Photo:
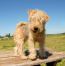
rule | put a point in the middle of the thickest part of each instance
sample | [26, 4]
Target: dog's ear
[46, 17]
[31, 12]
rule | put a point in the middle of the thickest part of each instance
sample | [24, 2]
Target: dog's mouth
[34, 31]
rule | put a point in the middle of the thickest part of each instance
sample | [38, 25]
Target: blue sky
[13, 11]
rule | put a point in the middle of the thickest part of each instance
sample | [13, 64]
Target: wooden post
[52, 63]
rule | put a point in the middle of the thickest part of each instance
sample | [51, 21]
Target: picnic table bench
[7, 58]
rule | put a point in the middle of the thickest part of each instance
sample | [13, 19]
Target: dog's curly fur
[34, 31]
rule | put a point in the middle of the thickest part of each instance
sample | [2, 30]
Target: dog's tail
[21, 24]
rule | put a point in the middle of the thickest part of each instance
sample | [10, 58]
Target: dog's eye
[42, 20]
[32, 19]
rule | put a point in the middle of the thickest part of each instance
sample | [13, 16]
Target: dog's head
[37, 20]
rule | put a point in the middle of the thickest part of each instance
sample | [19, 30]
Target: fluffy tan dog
[34, 31]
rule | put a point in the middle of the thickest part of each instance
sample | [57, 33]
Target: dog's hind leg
[15, 51]
[20, 49]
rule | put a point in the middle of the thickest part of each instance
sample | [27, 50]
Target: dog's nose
[35, 28]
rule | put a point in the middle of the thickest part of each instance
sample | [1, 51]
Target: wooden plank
[11, 60]
[37, 62]
[36, 65]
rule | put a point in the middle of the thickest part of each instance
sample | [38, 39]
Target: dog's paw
[32, 56]
[43, 57]
[23, 57]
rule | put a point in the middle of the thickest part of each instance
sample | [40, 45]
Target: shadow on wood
[37, 53]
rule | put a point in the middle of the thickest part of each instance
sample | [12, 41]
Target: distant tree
[0, 36]
[7, 35]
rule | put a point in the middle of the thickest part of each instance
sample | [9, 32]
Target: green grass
[7, 44]
[56, 42]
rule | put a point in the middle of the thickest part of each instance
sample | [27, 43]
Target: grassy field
[56, 42]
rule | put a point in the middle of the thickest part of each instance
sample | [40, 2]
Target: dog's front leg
[42, 49]
[31, 47]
